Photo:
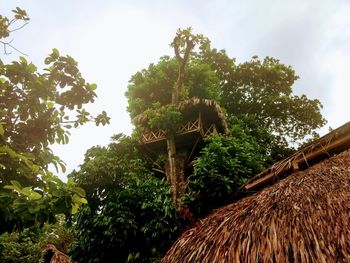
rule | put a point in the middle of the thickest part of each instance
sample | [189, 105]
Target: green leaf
[76, 198]
[26, 191]
[75, 208]
[80, 191]
[31, 67]
[2, 130]
[35, 196]
[92, 86]
[16, 184]
[23, 60]
[55, 53]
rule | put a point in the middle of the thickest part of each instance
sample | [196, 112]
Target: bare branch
[8, 44]
[20, 27]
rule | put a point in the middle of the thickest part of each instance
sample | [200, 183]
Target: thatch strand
[302, 218]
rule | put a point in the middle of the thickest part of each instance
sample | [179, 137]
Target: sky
[112, 40]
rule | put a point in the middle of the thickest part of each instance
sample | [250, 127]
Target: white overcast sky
[112, 40]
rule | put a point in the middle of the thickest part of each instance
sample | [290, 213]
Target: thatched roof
[212, 110]
[53, 255]
[301, 218]
[333, 142]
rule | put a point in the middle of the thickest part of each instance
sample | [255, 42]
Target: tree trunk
[174, 169]
[176, 163]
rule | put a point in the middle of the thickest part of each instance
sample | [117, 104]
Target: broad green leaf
[55, 53]
[16, 184]
[80, 191]
[35, 196]
[75, 208]
[23, 60]
[26, 191]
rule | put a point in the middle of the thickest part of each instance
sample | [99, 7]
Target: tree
[36, 109]
[164, 113]
[263, 89]
[222, 167]
[129, 216]
[256, 95]
[258, 91]
[183, 44]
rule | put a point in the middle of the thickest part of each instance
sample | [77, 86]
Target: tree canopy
[256, 95]
[262, 89]
[37, 109]
[129, 215]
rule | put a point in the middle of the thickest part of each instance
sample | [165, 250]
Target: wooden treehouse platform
[201, 118]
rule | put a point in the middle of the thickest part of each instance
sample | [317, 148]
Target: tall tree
[258, 93]
[163, 111]
[183, 44]
[37, 109]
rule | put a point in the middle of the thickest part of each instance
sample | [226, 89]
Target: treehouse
[201, 117]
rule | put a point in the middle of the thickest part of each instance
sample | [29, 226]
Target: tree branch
[5, 44]
[20, 27]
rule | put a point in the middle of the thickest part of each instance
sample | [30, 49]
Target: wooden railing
[210, 130]
[191, 126]
[153, 136]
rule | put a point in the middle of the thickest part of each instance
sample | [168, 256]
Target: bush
[223, 166]
[27, 246]
[129, 216]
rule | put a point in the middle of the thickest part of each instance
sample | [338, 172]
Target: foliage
[129, 216]
[260, 89]
[27, 246]
[272, 146]
[167, 117]
[222, 167]
[153, 85]
[263, 89]
[27, 206]
[20, 246]
[7, 26]
[261, 108]
[36, 110]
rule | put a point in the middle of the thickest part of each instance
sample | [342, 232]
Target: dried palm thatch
[53, 255]
[217, 111]
[302, 218]
[333, 142]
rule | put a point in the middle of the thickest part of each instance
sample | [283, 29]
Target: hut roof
[333, 142]
[212, 110]
[53, 255]
[301, 218]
